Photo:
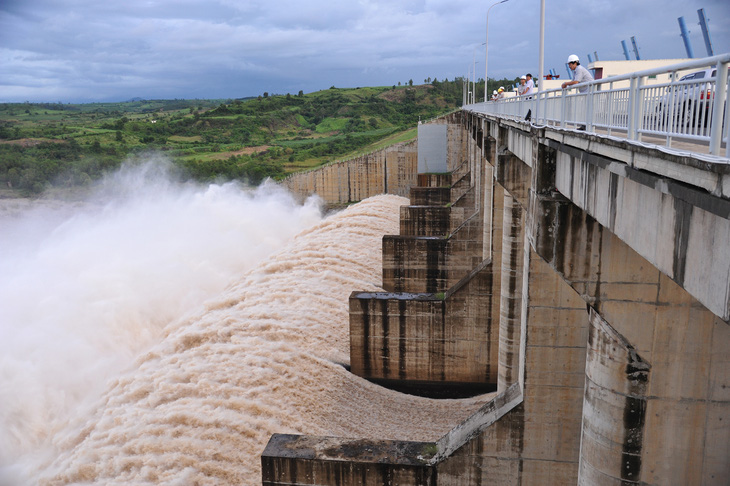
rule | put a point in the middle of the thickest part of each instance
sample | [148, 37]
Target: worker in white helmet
[580, 74]
[522, 88]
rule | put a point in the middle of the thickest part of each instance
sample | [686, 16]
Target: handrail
[637, 104]
[681, 66]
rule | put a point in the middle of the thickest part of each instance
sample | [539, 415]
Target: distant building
[606, 69]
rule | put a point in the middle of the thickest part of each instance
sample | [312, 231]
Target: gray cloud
[83, 50]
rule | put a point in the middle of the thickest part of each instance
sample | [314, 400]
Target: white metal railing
[691, 106]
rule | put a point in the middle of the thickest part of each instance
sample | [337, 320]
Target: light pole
[541, 61]
[474, 76]
[486, 56]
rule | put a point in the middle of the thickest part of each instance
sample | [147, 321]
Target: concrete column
[614, 411]
[487, 208]
[487, 203]
[511, 292]
[537, 442]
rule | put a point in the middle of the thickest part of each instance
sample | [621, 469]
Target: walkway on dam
[683, 106]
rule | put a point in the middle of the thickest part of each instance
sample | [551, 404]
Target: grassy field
[46, 145]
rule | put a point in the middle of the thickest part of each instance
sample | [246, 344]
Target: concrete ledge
[691, 191]
[693, 169]
[308, 460]
[299, 460]
[487, 415]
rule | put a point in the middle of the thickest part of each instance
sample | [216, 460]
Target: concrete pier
[585, 278]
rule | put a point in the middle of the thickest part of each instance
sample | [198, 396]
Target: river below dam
[159, 332]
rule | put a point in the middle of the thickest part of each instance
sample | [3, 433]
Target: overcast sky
[92, 50]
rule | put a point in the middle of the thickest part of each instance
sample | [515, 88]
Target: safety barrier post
[589, 107]
[633, 99]
[718, 108]
[639, 107]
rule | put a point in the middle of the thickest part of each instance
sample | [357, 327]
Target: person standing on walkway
[530, 84]
[522, 88]
[580, 74]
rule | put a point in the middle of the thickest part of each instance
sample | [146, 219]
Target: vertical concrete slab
[707, 267]
[553, 371]
[487, 203]
[615, 407]
[511, 292]
[432, 148]
[679, 228]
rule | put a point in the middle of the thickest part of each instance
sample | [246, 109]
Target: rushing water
[160, 333]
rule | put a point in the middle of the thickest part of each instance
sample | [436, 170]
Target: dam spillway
[604, 265]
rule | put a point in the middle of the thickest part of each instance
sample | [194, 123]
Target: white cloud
[229, 48]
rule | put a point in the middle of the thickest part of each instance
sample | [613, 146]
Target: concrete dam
[581, 279]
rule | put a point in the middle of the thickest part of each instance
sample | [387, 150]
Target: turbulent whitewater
[189, 359]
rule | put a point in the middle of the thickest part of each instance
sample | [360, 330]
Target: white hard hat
[573, 58]
[523, 77]
[494, 92]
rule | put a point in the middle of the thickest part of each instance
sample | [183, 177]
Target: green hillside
[65, 145]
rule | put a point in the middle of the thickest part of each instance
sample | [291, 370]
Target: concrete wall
[600, 293]
[391, 170]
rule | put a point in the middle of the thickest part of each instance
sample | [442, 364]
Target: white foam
[85, 287]
[208, 390]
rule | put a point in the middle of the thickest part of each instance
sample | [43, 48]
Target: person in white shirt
[522, 88]
[530, 84]
[526, 89]
[580, 74]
